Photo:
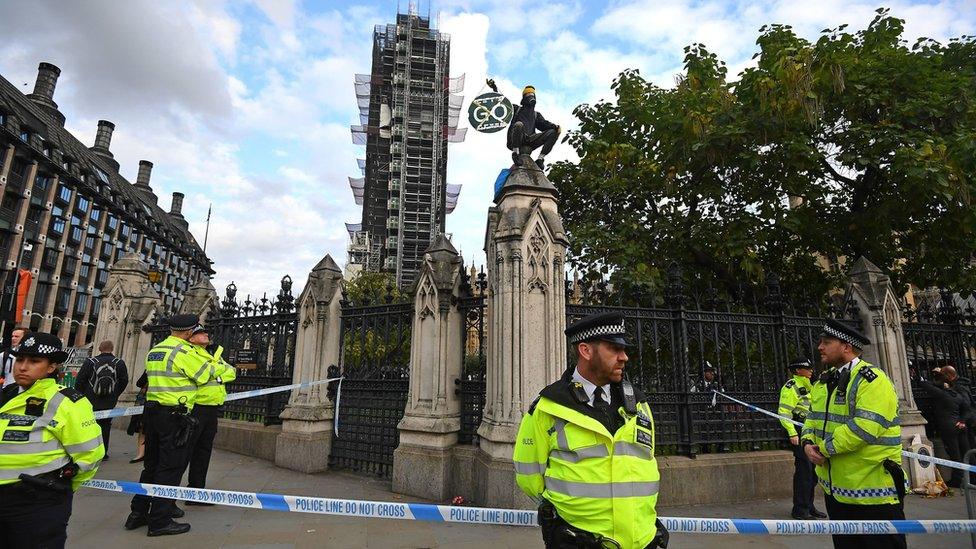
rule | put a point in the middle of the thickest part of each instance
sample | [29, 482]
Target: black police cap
[801, 362]
[602, 326]
[837, 330]
[42, 345]
[180, 323]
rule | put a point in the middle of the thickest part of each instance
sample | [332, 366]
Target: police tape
[906, 453]
[519, 517]
[136, 410]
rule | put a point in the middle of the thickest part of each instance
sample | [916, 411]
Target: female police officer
[50, 445]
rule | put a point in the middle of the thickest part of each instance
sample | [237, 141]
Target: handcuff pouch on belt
[187, 425]
[556, 532]
[55, 481]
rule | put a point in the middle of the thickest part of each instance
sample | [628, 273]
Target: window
[90, 243]
[80, 303]
[41, 184]
[47, 150]
[61, 304]
[66, 164]
[101, 174]
[25, 135]
[83, 272]
[50, 258]
[40, 297]
[76, 234]
[113, 222]
[57, 225]
[82, 205]
[64, 193]
[96, 214]
[125, 231]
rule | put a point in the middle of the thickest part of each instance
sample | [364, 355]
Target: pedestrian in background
[102, 379]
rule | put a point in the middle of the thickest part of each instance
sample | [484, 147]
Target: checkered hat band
[609, 329]
[846, 338]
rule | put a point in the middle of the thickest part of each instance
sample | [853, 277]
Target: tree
[373, 288]
[873, 140]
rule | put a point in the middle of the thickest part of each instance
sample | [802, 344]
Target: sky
[246, 105]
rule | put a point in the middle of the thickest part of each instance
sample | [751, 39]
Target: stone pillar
[880, 313]
[306, 431]
[525, 246]
[432, 419]
[200, 299]
[128, 301]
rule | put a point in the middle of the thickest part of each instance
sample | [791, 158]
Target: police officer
[852, 434]
[207, 408]
[585, 449]
[794, 402]
[50, 445]
[174, 371]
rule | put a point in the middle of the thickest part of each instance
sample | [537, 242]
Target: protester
[948, 416]
[102, 379]
[135, 422]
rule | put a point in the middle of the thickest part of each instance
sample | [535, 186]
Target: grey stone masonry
[880, 313]
[432, 419]
[306, 432]
[526, 246]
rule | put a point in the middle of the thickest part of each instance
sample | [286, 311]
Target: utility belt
[186, 424]
[58, 480]
[559, 534]
[898, 475]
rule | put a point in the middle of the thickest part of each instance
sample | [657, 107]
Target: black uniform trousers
[525, 144]
[804, 482]
[956, 442]
[106, 425]
[202, 444]
[845, 511]
[164, 463]
[32, 517]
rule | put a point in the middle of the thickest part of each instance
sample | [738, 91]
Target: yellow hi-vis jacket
[602, 483]
[214, 392]
[794, 402]
[66, 432]
[856, 427]
[174, 371]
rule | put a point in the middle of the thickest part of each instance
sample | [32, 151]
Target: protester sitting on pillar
[948, 411]
[794, 403]
[102, 379]
[207, 409]
[523, 137]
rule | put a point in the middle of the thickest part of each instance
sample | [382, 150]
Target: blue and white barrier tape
[136, 410]
[906, 453]
[519, 517]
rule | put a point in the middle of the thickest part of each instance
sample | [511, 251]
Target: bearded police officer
[585, 449]
[174, 373]
[794, 402]
[206, 408]
[853, 436]
[51, 444]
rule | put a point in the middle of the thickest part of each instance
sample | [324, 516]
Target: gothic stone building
[67, 215]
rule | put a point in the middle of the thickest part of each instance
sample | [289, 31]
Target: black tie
[598, 401]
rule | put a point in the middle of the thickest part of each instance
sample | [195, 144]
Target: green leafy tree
[372, 288]
[375, 346]
[871, 139]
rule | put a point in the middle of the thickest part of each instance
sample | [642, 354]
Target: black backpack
[105, 378]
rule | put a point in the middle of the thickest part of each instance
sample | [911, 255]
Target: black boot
[177, 512]
[817, 514]
[170, 529]
[136, 520]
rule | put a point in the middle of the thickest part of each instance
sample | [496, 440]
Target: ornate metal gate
[376, 370]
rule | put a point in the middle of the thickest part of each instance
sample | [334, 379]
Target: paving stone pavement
[98, 515]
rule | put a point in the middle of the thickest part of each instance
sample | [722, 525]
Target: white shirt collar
[850, 365]
[590, 387]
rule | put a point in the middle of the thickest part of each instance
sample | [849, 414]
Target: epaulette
[791, 383]
[532, 406]
[72, 394]
[868, 373]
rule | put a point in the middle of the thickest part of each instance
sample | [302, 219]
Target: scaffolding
[409, 109]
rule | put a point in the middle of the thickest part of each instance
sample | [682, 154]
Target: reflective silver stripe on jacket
[166, 374]
[624, 448]
[172, 356]
[561, 441]
[179, 389]
[877, 418]
[529, 468]
[53, 465]
[37, 432]
[575, 456]
[89, 444]
[602, 489]
[20, 448]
